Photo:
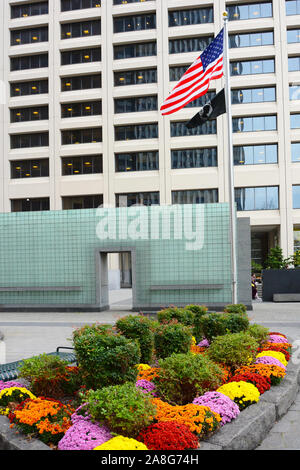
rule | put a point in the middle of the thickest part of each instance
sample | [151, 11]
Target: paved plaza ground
[28, 334]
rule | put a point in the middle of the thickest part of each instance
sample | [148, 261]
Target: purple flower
[204, 343]
[84, 435]
[10, 384]
[219, 403]
[146, 386]
[277, 339]
[269, 360]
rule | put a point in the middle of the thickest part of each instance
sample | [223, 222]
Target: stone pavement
[28, 334]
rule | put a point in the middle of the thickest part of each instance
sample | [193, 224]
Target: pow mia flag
[210, 110]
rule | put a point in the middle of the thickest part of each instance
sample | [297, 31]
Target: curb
[245, 432]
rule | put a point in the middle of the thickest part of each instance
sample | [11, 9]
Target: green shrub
[236, 308]
[258, 332]
[139, 328]
[182, 315]
[182, 377]
[198, 311]
[123, 408]
[216, 324]
[234, 350]
[172, 338]
[106, 357]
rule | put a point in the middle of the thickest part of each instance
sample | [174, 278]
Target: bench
[10, 371]
[286, 297]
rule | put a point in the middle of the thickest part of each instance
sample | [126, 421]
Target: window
[293, 35]
[135, 77]
[179, 129]
[254, 123]
[80, 30]
[292, 7]
[136, 132]
[296, 238]
[28, 36]
[251, 39]
[176, 72]
[124, 2]
[34, 113]
[195, 196]
[295, 121]
[28, 88]
[82, 202]
[250, 11]
[36, 139]
[82, 136]
[131, 199]
[258, 198]
[253, 95]
[295, 151]
[178, 46]
[294, 92]
[137, 161]
[67, 5]
[296, 196]
[194, 158]
[29, 168]
[86, 108]
[84, 165]
[252, 67]
[124, 24]
[294, 64]
[30, 205]
[136, 104]
[193, 16]
[255, 154]
[30, 9]
[81, 56]
[82, 82]
[201, 101]
[127, 51]
[28, 62]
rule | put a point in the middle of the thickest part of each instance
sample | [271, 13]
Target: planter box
[280, 281]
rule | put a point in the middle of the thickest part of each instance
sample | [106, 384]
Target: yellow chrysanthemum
[122, 443]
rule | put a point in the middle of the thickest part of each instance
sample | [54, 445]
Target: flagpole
[233, 237]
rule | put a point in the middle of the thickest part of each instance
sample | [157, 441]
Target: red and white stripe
[193, 83]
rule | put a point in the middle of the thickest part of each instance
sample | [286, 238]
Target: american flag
[195, 81]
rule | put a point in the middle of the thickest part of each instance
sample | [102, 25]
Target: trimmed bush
[198, 311]
[106, 357]
[172, 338]
[182, 315]
[235, 308]
[140, 329]
[234, 350]
[124, 409]
[214, 324]
[258, 332]
[182, 377]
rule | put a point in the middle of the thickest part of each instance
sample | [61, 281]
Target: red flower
[168, 435]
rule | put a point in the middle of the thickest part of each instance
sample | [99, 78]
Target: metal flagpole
[230, 161]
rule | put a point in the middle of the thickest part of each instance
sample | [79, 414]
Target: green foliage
[234, 350]
[123, 408]
[296, 259]
[140, 329]
[216, 324]
[198, 311]
[258, 332]
[172, 338]
[275, 259]
[256, 268]
[182, 315]
[182, 377]
[106, 357]
[235, 308]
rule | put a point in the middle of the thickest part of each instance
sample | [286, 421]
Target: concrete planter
[280, 281]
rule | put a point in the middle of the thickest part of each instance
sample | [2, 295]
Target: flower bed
[142, 413]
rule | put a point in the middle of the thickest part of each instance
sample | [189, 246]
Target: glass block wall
[58, 259]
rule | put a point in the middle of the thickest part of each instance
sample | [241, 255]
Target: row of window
[176, 18]
[247, 199]
[149, 160]
[147, 131]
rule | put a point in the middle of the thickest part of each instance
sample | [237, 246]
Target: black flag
[210, 110]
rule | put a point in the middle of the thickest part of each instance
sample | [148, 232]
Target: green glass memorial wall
[57, 260]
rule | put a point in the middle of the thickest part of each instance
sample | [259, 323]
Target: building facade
[82, 82]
